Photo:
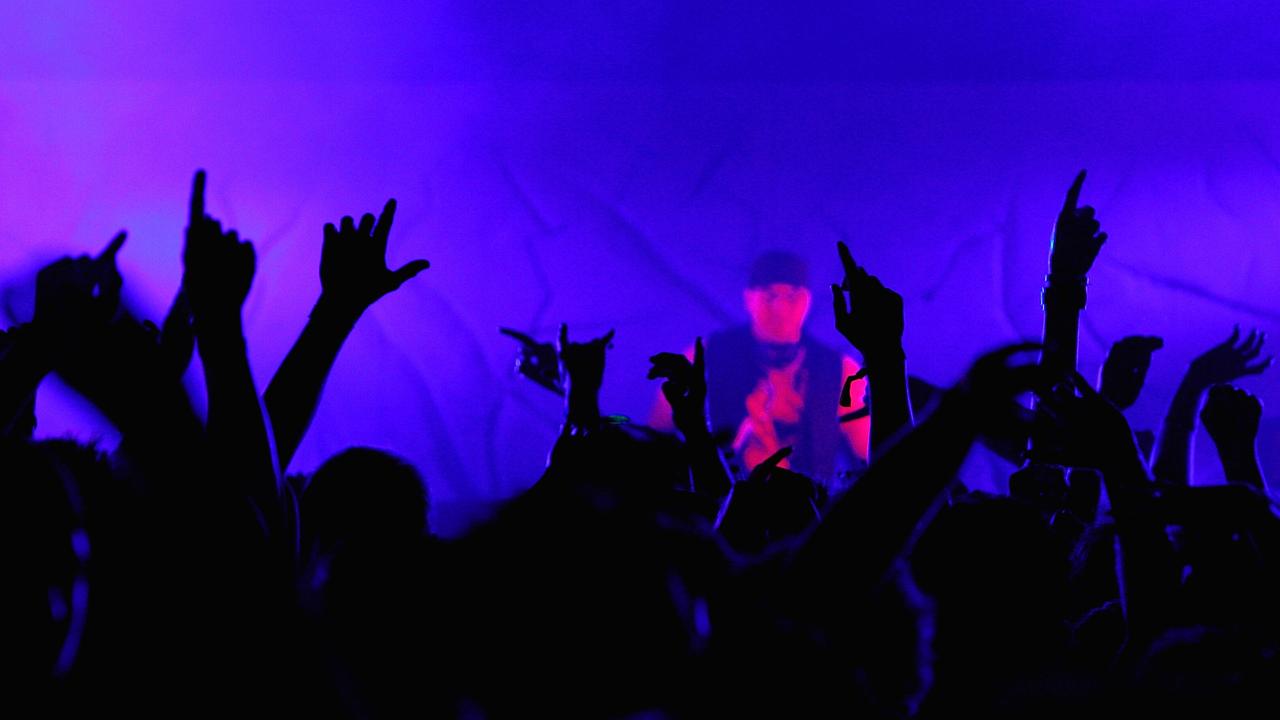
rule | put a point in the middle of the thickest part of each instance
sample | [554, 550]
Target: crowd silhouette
[644, 574]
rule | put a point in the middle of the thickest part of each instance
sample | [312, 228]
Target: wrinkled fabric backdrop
[617, 165]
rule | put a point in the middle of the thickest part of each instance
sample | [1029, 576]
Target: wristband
[1064, 289]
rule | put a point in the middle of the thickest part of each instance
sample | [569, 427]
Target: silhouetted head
[993, 564]
[363, 496]
[999, 580]
[777, 296]
[620, 464]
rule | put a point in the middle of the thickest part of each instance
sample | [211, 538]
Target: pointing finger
[197, 199]
[1073, 193]
[109, 253]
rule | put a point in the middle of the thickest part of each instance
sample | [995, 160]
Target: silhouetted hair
[364, 494]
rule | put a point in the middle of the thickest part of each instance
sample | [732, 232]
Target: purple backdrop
[619, 166]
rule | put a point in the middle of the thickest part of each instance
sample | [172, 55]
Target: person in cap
[771, 385]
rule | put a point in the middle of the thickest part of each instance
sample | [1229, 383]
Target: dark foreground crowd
[643, 575]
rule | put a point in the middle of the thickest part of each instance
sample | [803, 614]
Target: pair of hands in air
[571, 367]
[1228, 411]
[1230, 415]
[353, 267]
[551, 364]
[74, 296]
[869, 315]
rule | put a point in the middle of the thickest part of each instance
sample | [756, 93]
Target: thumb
[846, 393]
[407, 272]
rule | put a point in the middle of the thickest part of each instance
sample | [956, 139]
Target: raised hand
[685, 388]
[218, 266]
[74, 295]
[581, 364]
[353, 275]
[582, 371]
[218, 272]
[353, 261]
[868, 314]
[1229, 360]
[1076, 240]
[1125, 369]
[870, 318]
[537, 361]
[1231, 416]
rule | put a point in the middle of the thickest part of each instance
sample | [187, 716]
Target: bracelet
[897, 355]
[1058, 279]
[1068, 289]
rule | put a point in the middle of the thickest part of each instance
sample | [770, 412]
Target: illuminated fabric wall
[619, 167]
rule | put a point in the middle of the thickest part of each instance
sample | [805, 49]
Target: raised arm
[1073, 249]
[1231, 417]
[869, 316]
[177, 336]
[874, 521]
[219, 270]
[353, 276]
[1230, 360]
[685, 389]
